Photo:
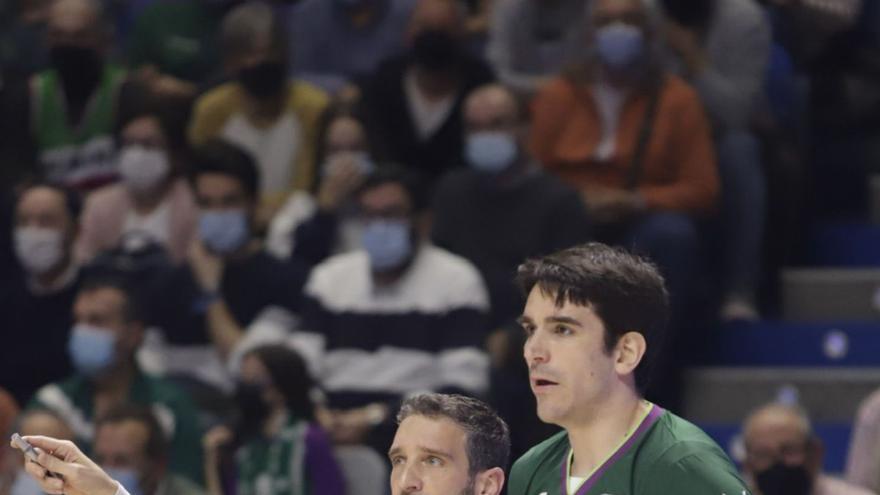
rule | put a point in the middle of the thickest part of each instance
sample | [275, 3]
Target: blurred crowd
[235, 235]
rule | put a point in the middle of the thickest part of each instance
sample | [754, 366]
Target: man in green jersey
[594, 321]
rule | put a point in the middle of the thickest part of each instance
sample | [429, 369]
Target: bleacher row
[821, 352]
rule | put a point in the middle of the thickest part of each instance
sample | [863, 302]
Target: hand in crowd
[344, 176]
[353, 425]
[612, 205]
[165, 85]
[213, 441]
[79, 474]
[207, 268]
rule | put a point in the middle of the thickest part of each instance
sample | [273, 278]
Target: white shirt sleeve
[121, 490]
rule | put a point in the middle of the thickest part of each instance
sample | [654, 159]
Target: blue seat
[844, 244]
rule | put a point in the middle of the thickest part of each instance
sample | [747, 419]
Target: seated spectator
[413, 102]
[36, 422]
[102, 347]
[22, 51]
[176, 58]
[274, 119]
[227, 280]
[396, 317]
[153, 198]
[633, 139]
[131, 447]
[498, 212]
[503, 209]
[316, 225]
[723, 48]
[67, 113]
[277, 442]
[783, 456]
[531, 41]
[863, 461]
[334, 42]
[36, 304]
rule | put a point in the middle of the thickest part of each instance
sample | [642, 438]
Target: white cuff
[121, 490]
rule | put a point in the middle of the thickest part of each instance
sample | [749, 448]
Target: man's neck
[435, 86]
[144, 204]
[595, 437]
[113, 388]
[264, 112]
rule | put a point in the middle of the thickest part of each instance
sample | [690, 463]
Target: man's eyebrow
[394, 451]
[563, 319]
[522, 320]
[439, 453]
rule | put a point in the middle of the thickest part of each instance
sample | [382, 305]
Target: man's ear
[629, 352]
[489, 482]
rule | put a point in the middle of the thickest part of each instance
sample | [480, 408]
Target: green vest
[77, 155]
[664, 455]
[274, 466]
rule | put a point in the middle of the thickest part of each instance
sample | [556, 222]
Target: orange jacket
[678, 172]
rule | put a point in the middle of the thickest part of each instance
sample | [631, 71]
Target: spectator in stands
[131, 447]
[278, 442]
[396, 317]
[496, 213]
[176, 58]
[336, 41]
[102, 347]
[470, 442]
[863, 461]
[23, 23]
[532, 41]
[227, 280]
[153, 199]
[503, 209]
[67, 113]
[36, 422]
[783, 456]
[36, 304]
[413, 102]
[315, 225]
[633, 139]
[722, 47]
[274, 119]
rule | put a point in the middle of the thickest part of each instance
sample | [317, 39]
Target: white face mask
[142, 169]
[39, 249]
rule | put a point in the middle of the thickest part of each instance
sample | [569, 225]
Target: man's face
[45, 208]
[388, 201]
[493, 111]
[104, 308]
[626, 11]
[435, 15]
[570, 371]
[122, 446]
[775, 436]
[345, 134]
[429, 457]
[218, 192]
[74, 23]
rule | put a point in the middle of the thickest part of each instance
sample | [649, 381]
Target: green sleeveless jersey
[665, 455]
[80, 155]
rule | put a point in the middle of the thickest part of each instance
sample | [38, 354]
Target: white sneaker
[738, 309]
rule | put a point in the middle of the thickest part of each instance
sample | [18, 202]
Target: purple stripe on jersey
[647, 423]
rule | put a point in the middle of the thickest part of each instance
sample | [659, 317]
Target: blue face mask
[92, 349]
[387, 242]
[224, 231]
[128, 478]
[619, 44]
[490, 151]
[25, 485]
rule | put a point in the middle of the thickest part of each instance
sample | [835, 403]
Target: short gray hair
[488, 437]
[243, 24]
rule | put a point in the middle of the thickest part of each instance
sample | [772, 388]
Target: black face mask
[436, 50]
[79, 69]
[251, 406]
[264, 80]
[694, 14]
[782, 479]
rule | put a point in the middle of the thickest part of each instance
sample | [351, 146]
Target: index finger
[47, 443]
